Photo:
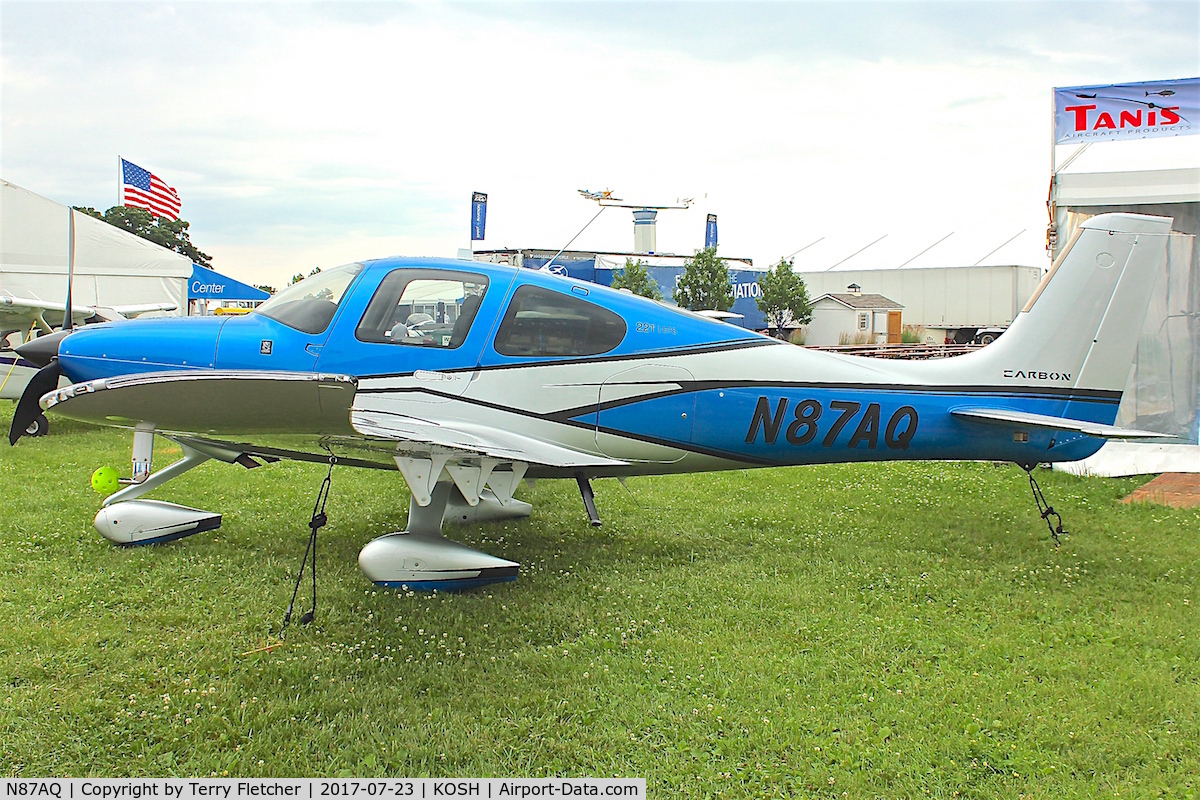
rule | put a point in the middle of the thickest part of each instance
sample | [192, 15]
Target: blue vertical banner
[478, 216]
[710, 232]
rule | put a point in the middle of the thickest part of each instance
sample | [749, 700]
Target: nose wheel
[38, 426]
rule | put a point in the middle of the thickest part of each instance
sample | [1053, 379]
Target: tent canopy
[112, 266]
[1136, 187]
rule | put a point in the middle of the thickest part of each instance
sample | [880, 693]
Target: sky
[308, 135]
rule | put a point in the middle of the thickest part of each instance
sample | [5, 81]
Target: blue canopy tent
[208, 285]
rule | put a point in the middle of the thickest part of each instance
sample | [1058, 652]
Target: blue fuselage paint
[781, 425]
[143, 345]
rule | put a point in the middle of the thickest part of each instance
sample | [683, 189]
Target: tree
[636, 279]
[299, 276]
[705, 283]
[169, 233]
[784, 297]
[265, 288]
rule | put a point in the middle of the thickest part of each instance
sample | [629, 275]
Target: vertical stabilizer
[1080, 328]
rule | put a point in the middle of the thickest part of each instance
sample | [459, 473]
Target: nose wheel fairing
[139, 522]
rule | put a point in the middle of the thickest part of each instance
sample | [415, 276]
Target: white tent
[1135, 187]
[112, 267]
[1163, 393]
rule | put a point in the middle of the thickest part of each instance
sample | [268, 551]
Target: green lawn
[890, 631]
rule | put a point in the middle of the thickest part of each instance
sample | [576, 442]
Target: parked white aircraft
[24, 318]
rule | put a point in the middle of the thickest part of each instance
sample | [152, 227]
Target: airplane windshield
[309, 305]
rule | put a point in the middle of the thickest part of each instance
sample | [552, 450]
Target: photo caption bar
[318, 788]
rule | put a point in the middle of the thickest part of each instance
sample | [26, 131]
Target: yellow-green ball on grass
[104, 481]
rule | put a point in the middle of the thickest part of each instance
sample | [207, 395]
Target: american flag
[140, 189]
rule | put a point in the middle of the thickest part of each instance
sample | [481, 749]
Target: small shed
[853, 317]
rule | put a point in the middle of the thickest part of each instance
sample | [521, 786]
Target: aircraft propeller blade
[28, 409]
[68, 318]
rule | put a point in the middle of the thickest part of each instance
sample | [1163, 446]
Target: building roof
[604, 258]
[862, 301]
[1134, 187]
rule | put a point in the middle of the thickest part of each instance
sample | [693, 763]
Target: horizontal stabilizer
[1004, 416]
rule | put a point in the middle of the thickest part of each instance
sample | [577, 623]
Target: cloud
[340, 132]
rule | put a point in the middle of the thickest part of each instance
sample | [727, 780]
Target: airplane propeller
[42, 351]
[68, 318]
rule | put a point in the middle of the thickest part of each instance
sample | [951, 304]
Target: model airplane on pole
[467, 377]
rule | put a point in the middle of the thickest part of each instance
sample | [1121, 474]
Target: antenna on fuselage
[597, 196]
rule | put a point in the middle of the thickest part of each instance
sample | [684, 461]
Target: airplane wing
[475, 439]
[208, 403]
[1003, 416]
[132, 311]
[26, 311]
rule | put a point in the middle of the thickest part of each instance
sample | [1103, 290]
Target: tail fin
[1080, 328]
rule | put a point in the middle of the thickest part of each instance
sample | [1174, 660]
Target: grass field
[862, 631]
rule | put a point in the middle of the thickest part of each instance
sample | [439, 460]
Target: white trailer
[943, 302]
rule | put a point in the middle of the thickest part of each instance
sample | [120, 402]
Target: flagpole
[120, 183]
[1052, 195]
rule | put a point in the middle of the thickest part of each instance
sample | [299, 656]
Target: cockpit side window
[423, 308]
[310, 304]
[541, 322]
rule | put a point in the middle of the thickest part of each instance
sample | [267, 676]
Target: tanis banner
[1126, 111]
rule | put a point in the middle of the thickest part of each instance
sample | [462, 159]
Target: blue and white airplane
[468, 377]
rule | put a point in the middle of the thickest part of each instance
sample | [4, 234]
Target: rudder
[1080, 328]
